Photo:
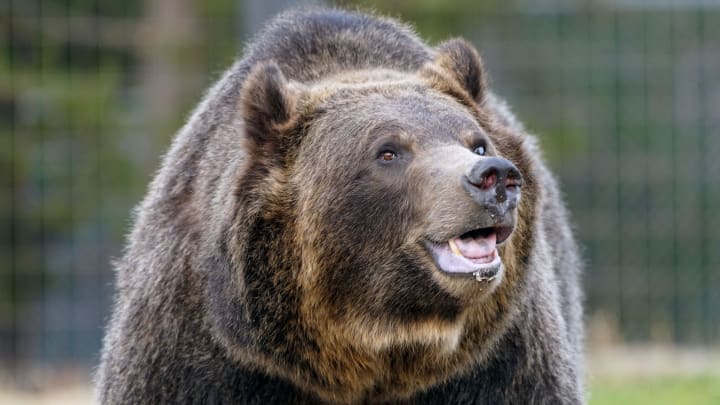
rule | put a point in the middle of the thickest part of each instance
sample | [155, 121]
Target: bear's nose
[492, 181]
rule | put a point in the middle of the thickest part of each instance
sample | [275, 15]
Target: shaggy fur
[277, 258]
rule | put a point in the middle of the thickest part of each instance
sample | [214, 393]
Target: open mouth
[472, 253]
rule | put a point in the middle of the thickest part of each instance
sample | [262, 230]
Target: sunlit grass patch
[670, 390]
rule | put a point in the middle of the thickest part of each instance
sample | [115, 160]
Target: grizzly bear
[350, 216]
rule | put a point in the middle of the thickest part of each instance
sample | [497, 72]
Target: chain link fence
[624, 95]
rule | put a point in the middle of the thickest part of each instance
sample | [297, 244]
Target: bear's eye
[479, 150]
[388, 155]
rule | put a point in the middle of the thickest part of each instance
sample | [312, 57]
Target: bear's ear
[266, 105]
[459, 60]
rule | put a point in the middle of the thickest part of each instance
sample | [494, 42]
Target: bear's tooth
[454, 247]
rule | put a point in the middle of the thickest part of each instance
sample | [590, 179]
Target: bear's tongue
[474, 254]
[474, 248]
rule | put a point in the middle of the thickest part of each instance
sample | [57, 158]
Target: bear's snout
[494, 183]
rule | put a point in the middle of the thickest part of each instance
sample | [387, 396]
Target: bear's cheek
[368, 219]
[368, 254]
[383, 291]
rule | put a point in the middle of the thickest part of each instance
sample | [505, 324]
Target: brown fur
[276, 259]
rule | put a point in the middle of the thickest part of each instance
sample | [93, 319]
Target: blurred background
[624, 95]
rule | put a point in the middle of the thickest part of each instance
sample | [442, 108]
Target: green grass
[670, 390]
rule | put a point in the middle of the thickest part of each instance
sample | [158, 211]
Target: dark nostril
[494, 183]
[488, 179]
[492, 172]
[513, 178]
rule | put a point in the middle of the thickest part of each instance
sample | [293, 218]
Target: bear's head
[375, 217]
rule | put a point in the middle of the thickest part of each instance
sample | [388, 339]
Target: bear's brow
[392, 131]
[388, 128]
[472, 136]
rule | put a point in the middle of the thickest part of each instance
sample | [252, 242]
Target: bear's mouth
[472, 253]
